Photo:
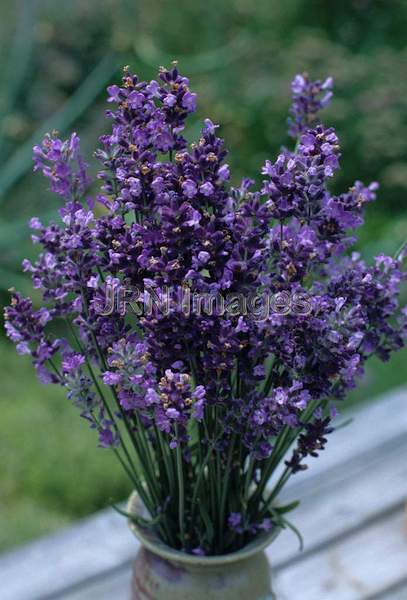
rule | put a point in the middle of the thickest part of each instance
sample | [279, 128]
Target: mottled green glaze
[161, 573]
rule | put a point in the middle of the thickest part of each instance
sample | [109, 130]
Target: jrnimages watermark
[259, 305]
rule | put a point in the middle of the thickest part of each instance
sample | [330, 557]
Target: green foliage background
[56, 59]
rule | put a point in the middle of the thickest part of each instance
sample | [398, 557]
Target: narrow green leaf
[19, 228]
[210, 532]
[210, 60]
[287, 507]
[20, 54]
[343, 424]
[137, 520]
[399, 250]
[296, 531]
[20, 161]
[10, 279]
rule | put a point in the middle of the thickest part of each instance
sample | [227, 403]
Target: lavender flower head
[55, 158]
[309, 97]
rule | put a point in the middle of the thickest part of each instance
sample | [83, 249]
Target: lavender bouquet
[207, 328]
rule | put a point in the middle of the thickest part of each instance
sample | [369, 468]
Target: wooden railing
[352, 517]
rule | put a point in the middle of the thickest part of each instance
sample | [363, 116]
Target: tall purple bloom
[309, 97]
[62, 163]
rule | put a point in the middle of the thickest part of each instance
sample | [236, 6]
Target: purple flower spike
[309, 97]
[62, 163]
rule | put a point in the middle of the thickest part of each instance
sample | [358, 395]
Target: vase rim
[150, 541]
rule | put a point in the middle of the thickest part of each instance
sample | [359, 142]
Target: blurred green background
[56, 59]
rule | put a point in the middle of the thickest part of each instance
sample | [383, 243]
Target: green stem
[276, 490]
[284, 440]
[167, 462]
[248, 479]
[181, 494]
[225, 491]
[269, 380]
[102, 397]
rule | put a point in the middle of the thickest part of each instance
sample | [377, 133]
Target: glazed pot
[161, 573]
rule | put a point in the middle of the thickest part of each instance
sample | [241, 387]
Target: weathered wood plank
[336, 503]
[88, 549]
[337, 507]
[114, 587]
[361, 567]
[374, 424]
[400, 593]
[371, 564]
[360, 460]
